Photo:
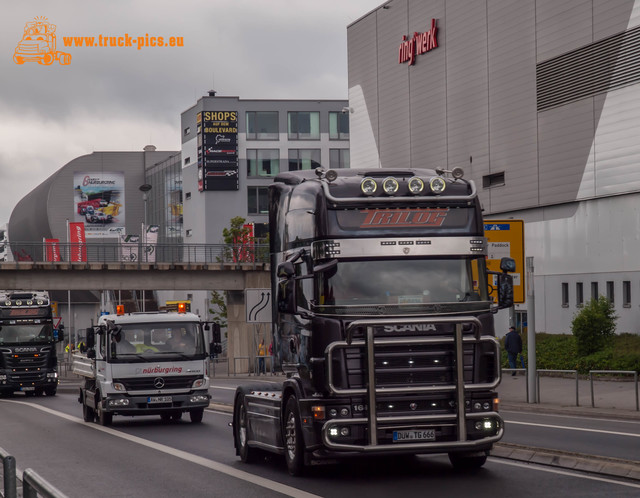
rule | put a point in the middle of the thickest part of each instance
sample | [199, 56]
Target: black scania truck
[383, 321]
[28, 360]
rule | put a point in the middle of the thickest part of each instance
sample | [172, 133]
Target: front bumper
[123, 404]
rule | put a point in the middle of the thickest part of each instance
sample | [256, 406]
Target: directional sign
[258, 305]
[505, 239]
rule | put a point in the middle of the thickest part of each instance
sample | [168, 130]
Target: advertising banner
[150, 243]
[99, 203]
[218, 150]
[78, 250]
[129, 247]
[52, 250]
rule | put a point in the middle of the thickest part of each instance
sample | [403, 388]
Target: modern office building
[539, 102]
[232, 149]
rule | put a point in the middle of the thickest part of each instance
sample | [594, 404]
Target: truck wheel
[64, 59]
[88, 414]
[467, 461]
[48, 59]
[195, 415]
[17, 59]
[104, 418]
[39, 391]
[246, 453]
[294, 443]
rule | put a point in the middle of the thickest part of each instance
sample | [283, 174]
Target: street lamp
[144, 188]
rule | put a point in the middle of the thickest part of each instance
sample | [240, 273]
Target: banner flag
[78, 242]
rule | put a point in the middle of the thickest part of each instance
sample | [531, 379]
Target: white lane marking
[563, 472]
[205, 462]
[221, 387]
[573, 417]
[581, 429]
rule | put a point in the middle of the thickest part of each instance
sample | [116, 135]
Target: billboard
[218, 150]
[505, 239]
[98, 202]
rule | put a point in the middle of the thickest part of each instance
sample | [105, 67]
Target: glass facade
[164, 200]
[303, 125]
[338, 126]
[262, 125]
[263, 162]
[300, 159]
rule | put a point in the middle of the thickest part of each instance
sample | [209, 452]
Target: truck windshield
[18, 334]
[405, 281]
[158, 339]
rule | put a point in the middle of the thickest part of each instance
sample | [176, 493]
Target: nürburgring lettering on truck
[383, 323]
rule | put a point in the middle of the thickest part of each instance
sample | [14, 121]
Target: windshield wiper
[177, 353]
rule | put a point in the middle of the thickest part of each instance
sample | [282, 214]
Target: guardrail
[614, 372]
[113, 252]
[33, 485]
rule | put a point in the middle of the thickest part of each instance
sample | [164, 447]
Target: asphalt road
[145, 457]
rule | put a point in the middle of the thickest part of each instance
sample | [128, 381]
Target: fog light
[199, 398]
[344, 412]
[368, 186]
[119, 402]
[333, 431]
[437, 184]
[486, 405]
[416, 185]
[477, 406]
[478, 425]
[344, 431]
[487, 424]
[390, 185]
[333, 412]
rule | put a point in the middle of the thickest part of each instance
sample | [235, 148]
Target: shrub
[593, 326]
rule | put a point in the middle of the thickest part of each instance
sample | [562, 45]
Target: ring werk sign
[421, 43]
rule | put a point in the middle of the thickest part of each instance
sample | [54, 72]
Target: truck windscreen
[158, 339]
[405, 281]
[21, 333]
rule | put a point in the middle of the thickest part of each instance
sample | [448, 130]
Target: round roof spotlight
[457, 173]
[368, 186]
[416, 185]
[390, 185]
[437, 184]
[331, 175]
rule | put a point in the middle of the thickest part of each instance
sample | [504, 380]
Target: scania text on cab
[383, 321]
[153, 363]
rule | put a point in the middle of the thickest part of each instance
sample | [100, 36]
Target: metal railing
[113, 252]
[33, 485]
[614, 372]
[574, 372]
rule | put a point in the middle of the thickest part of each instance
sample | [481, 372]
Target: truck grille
[26, 367]
[149, 383]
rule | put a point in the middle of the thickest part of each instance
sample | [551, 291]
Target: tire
[464, 461]
[64, 59]
[88, 413]
[18, 60]
[293, 440]
[48, 59]
[241, 432]
[195, 415]
[104, 418]
[39, 391]
[51, 391]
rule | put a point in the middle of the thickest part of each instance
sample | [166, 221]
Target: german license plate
[414, 435]
[159, 399]
[31, 388]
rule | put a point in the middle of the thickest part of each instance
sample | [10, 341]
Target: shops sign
[421, 43]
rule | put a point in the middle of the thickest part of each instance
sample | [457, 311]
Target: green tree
[594, 326]
[218, 309]
[238, 239]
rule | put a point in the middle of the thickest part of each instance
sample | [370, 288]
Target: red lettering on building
[383, 218]
[421, 43]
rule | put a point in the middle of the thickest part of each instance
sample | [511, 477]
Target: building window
[263, 162]
[189, 232]
[300, 159]
[338, 126]
[626, 294]
[304, 125]
[495, 180]
[188, 195]
[610, 295]
[262, 125]
[258, 200]
[565, 295]
[579, 295]
[187, 160]
[339, 158]
[187, 130]
[594, 290]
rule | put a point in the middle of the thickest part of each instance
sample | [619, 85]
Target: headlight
[437, 184]
[199, 398]
[52, 375]
[119, 402]
[416, 185]
[198, 383]
[118, 387]
[368, 186]
[390, 186]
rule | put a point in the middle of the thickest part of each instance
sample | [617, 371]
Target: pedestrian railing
[572, 372]
[33, 485]
[526, 376]
[614, 372]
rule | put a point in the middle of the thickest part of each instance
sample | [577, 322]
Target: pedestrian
[261, 353]
[513, 345]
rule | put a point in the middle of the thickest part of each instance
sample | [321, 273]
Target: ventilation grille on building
[596, 68]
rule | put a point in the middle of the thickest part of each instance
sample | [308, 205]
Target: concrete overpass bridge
[190, 267]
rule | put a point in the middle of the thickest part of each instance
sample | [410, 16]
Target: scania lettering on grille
[25, 350]
[418, 327]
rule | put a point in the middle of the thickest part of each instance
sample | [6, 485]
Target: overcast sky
[123, 98]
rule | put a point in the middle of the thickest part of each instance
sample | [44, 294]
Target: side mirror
[91, 338]
[215, 334]
[287, 296]
[215, 348]
[286, 270]
[505, 290]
